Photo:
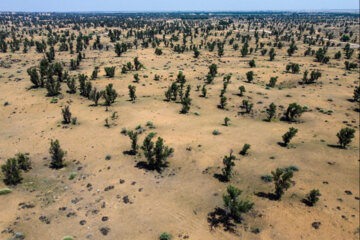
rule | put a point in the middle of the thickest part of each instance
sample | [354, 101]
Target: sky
[174, 5]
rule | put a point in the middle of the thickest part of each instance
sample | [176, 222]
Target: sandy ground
[179, 200]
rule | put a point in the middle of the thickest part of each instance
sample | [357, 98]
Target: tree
[273, 81]
[110, 71]
[34, 76]
[345, 135]
[158, 51]
[94, 74]
[66, 114]
[109, 94]
[289, 135]
[11, 172]
[252, 63]
[248, 106]
[312, 197]
[234, 206]
[293, 111]
[242, 90]
[95, 95]
[272, 54]
[245, 149]
[213, 70]
[228, 161]
[133, 137]
[223, 102]
[137, 64]
[23, 161]
[71, 83]
[165, 236]
[226, 121]
[196, 52]
[132, 95]
[245, 49]
[204, 90]
[53, 86]
[348, 51]
[136, 77]
[118, 49]
[186, 102]
[356, 96]
[271, 111]
[161, 153]
[282, 180]
[57, 155]
[250, 76]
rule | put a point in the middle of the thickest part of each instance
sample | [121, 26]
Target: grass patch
[5, 191]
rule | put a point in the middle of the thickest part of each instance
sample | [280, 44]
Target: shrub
[23, 161]
[248, 106]
[158, 51]
[289, 135]
[4, 191]
[267, 178]
[52, 86]
[72, 176]
[66, 114]
[132, 90]
[234, 205]
[245, 149]
[282, 180]
[293, 111]
[250, 76]
[349, 66]
[272, 54]
[133, 137]
[312, 197]
[271, 111]
[228, 161]
[204, 90]
[11, 172]
[136, 77]
[138, 65]
[110, 71]
[345, 135]
[213, 70]
[165, 236]
[94, 74]
[216, 132]
[109, 94]
[186, 102]
[57, 155]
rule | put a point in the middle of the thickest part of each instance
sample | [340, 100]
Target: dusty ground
[179, 200]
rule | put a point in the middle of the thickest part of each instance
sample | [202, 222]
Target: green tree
[228, 162]
[293, 111]
[250, 76]
[133, 135]
[57, 155]
[132, 92]
[272, 54]
[234, 205]
[110, 71]
[23, 161]
[312, 197]
[271, 111]
[109, 94]
[66, 114]
[282, 179]
[345, 136]
[11, 172]
[289, 135]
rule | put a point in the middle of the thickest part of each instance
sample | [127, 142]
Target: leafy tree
[223, 102]
[213, 70]
[345, 135]
[52, 86]
[23, 161]
[186, 102]
[252, 63]
[110, 71]
[133, 137]
[337, 55]
[132, 90]
[245, 149]
[109, 94]
[66, 114]
[228, 161]
[136, 78]
[94, 74]
[281, 180]
[165, 236]
[289, 135]
[158, 51]
[234, 205]
[272, 54]
[250, 76]
[204, 90]
[242, 90]
[356, 96]
[349, 66]
[294, 67]
[226, 121]
[273, 81]
[293, 111]
[57, 155]
[196, 52]
[71, 83]
[348, 51]
[161, 153]
[313, 196]
[271, 111]
[248, 106]
[138, 65]
[245, 49]
[34, 76]
[11, 172]
[95, 95]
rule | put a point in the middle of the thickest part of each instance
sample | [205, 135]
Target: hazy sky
[174, 5]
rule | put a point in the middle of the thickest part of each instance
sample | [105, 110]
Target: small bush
[266, 178]
[72, 176]
[4, 191]
[216, 132]
[245, 149]
[110, 71]
[165, 236]
[66, 114]
[312, 197]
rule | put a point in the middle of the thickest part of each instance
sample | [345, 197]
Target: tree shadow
[335, 146]
[307, 202]
[218, 218]
[220, 177]
[281, 144]
[269, 196]
[129, 152]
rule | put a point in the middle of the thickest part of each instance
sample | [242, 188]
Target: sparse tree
[132, 93]
[250, 76]
[345, 136]
[282, 179]
[11, 172]
[109, 94]
[234, 206]
[57, 155]
[66, 114]
[271, 111]
[228, 162]
[312, 197]
[289, 135]
[293, 111]
[133, 137]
